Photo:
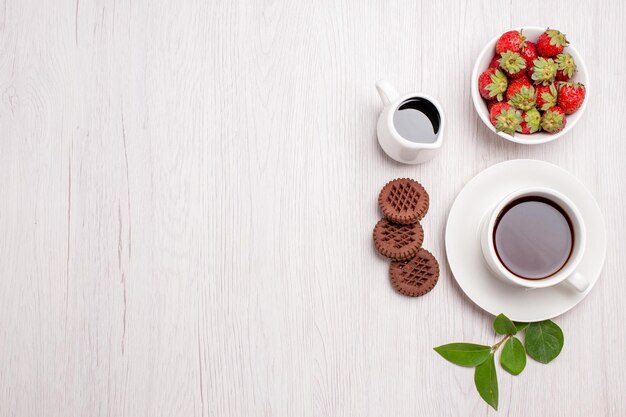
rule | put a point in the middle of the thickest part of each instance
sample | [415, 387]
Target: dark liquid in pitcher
[417, 120]
[533, 237]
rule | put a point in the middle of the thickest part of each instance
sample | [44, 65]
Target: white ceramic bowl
[482, 63]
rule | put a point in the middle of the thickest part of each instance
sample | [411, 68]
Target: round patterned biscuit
[403, 201]
[398, 241]
[416, 276]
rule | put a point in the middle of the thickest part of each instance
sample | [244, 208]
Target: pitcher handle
[386, 91]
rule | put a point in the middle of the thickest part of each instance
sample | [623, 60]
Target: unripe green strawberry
[544, 71]
[506, 118]
[553, 120]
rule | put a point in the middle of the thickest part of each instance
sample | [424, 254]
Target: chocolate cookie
[416, 276]
[398, 241]
[403, 201]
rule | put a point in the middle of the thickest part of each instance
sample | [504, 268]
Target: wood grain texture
[188, 191]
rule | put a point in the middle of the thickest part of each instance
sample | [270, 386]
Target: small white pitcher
[395, 145]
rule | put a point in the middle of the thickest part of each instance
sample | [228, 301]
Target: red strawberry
[494, 61]
[505, 118]
[524, 98]
[546, 96]
[551, 43]
[510, 41]
[543, 71]
[553, 120]
[515, 86]
[529, 53]
[571, 96]
[531, 121]
[512, 64]
[565, 67]
[492, 84]
[496, 108]
[491, 103]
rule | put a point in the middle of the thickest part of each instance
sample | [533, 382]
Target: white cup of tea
[535, 238]
[410, 127]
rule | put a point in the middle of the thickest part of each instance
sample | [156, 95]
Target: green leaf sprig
[543, 341]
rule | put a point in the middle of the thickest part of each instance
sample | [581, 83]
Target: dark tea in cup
[533, 237]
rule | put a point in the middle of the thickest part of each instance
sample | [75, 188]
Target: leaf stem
[497, 345]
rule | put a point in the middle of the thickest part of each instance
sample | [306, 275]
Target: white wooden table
[188, 192]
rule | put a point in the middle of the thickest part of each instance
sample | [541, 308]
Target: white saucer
[463, 245]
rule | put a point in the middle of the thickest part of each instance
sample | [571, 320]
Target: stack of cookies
[398, 236]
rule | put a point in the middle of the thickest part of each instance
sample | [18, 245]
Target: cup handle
[386, 91]
[578, 281]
